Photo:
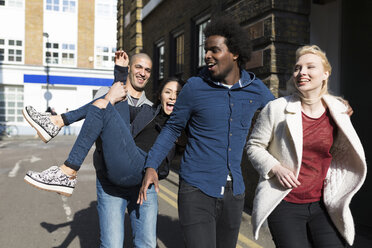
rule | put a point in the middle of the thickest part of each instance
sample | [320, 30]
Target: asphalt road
[33, 218]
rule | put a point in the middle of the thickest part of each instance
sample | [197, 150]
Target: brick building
[53, 53]
[171, 32]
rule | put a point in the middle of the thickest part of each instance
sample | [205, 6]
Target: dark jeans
[124, 160]
[303, 225]
[209, 222]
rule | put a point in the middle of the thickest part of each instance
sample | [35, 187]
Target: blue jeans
[111, 210]
[80, 113]
[124, 160]
[67, 130]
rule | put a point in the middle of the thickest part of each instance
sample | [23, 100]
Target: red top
[316, 158]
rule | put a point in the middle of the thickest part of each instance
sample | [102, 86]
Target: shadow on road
[84, 226]
[169, 232]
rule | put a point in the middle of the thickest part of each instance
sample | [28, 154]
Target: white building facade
[53, 53]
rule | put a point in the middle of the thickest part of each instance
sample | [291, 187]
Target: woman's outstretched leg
[123, 159]
[63, 179]
[48, 126]
[94, 123]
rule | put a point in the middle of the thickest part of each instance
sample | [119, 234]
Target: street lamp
[47, 94]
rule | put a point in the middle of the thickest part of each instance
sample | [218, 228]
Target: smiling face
[169, 95]
[309, 75]
[222, 64]
[139, 72]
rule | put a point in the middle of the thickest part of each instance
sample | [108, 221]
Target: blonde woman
[310, 160]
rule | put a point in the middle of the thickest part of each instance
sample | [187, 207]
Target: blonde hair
[313, 49]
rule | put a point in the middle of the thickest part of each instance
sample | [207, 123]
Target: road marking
[15, 169]
[33, 159]
[167, 199]
[166, 190]
[17, 166]
[66, 207]
[248, 242]
[3, 144]
[241, 237]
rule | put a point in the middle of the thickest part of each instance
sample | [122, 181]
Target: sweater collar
[245, 79]
[142, 100]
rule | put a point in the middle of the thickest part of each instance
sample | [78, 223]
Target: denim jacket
[217, 120]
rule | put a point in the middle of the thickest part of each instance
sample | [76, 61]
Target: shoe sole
[43, 135]
[62, 190]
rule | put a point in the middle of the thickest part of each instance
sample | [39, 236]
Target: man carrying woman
[126, 133]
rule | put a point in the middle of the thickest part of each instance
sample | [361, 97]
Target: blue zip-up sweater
[217, 120]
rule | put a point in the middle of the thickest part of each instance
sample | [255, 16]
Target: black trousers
[303, 225]
[209, 222]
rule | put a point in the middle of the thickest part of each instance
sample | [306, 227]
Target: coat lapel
[343, 122]
[294, 124]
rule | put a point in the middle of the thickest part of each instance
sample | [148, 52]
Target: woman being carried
[310, 160]
[124, 159]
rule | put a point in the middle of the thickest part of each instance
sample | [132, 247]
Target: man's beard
[139, 89]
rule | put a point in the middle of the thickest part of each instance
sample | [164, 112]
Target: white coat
[277, 137]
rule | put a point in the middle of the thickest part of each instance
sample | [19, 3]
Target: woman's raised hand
[121, 58]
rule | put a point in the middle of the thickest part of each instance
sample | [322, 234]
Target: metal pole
[46, 35]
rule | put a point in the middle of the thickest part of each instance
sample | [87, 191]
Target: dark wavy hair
[160, 89]
[236, 38]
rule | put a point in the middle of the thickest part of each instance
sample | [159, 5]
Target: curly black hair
[236, 38]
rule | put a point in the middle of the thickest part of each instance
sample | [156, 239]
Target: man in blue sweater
[216, 109]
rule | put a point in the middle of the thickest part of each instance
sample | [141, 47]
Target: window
[11, 103]
[197, 44]
[106, 8]
[11, 50]
[51, 54]
[60, 53]
[158, 66]
[201, 39]
[2, 50]
[160, 60]
[179, 53]
[12, 3]
[15, 3]
[68, 6]
[68, 54]
[103, 9]
[52, 5]
[105, 56]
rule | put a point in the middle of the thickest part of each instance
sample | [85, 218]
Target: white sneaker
[41, 122]
[52, 179]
